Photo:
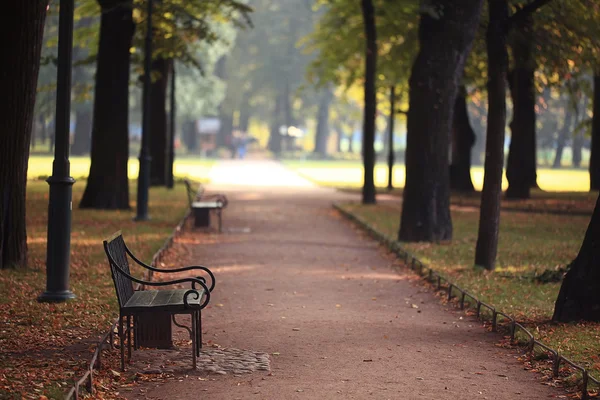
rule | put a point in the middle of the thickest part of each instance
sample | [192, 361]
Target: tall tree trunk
[44, 128]
[83, 131]
[562, 138]
[351, 142]
[337, 127]
[463, 139]
[224, 137]
[274, 136]
[107, 184]
[576, 148]
[188, 130]
[489, 216]
[521, 164]
[21, 50]
[595, 145]
[368, 149]
[445, 40]
[322, 135]
[578, 137]
[245, 112]
[579, 296]
[158, 122]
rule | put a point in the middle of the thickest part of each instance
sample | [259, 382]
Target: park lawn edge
[542, 330]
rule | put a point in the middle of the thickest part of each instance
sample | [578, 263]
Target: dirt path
[322, 300]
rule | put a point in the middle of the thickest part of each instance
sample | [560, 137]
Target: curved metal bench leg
[194, 339]
[199, 342]
[129, 327]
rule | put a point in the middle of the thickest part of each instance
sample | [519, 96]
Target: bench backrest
[116, 253]
[193, 195]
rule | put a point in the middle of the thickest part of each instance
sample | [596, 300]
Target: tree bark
[21, 50]
[224, 137]
[337, 127]
[188, 130]
[489, 217]
[274, 143]
[368, 149]
[107, 186]
[562, 138]
[595, 145]
[322, 135]
[579, 296]
[445, 40]
[463, 139]
[521, 164]
[158, 122]
[576, 148]
[83, 131]
[245, 113]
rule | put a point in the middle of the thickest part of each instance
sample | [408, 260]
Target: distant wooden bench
[135, 304]
[202, 205]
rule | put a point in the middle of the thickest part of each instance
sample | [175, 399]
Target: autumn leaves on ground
[45, 347]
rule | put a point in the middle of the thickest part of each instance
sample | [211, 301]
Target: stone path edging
[432, 276]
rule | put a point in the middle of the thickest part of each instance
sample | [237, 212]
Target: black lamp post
[61, 183]
[145, 158]
[171, 150]
[390, 185]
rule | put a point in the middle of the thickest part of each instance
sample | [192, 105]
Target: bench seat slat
[167, 300]
[207, 204]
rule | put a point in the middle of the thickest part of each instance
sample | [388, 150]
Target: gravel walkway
[297, 282]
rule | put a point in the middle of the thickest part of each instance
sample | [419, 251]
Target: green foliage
[341, 56]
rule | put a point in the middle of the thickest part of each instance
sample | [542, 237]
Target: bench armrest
[218, 197]
[190, 292]
[189, 268]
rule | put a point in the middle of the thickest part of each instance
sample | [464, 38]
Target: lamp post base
[56, 297]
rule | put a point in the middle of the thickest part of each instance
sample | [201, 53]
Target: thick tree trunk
[521, 164]
[368, 149]
[274, 144]
[562, 139]
[18, 87]
[489, 217]
[576, 148]
[322, 135]
[108, 185]
[445, 41]
[579, 296]
[188, 130]
[578, 138]
[245, 113]
[158, 122]
[463, 139]
[224, 138]
[595, 145]
[83, 132]
[337, 127]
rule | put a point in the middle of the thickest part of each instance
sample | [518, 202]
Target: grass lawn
[193, 167]
[349, 174]
[46, 346]
[530, 243]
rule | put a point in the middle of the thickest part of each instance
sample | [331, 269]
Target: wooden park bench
[147, 304]
[202, 205]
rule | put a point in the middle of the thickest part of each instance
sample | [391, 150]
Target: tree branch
[526, 11]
